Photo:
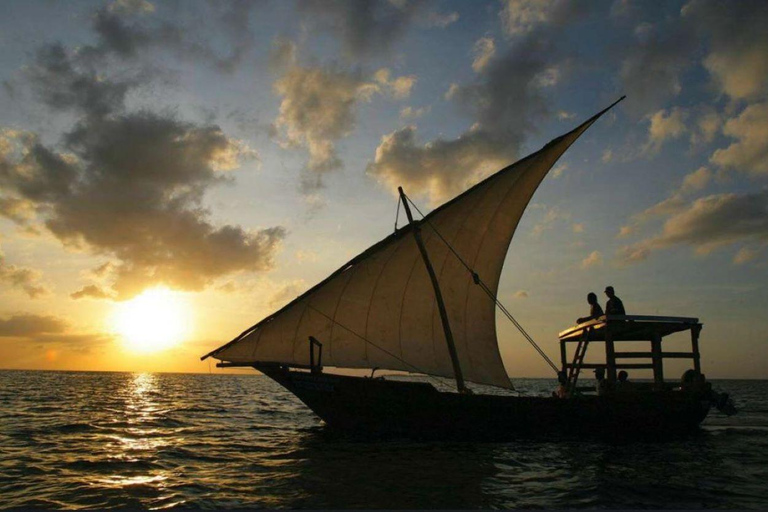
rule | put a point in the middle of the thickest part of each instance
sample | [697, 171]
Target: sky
[223, 157]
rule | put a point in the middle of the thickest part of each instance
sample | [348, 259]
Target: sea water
[125, 440]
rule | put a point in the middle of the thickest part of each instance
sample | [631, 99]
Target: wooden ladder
[578, 359]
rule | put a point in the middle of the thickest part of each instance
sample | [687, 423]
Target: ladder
[578, 359]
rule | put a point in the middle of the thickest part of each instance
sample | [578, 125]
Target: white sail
[379, 310]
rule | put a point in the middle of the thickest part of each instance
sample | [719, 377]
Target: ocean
[126, 440]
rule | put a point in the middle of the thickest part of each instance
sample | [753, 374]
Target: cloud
[708, 124]
[553, 215]
[441, 20]
[674, 204]
[663, 127]
[594, 259]
[66, 81]
[749, 153]
[90, 291]
[408, 113]
[130, 185]
[319, 107]
[366, 29]
[48, 329]
[28, 326]
[697, 180]
[651, 71]
[439, 169]
[745, 255]
[559, 170]
[131, 7]
[484, 50]
[24, 278]
[520, 17]
[129, 40]
[282, 55]
[286, 293]
[399, 88]
[505, 101]
[736, 59]
[709, 223]
[18, 210]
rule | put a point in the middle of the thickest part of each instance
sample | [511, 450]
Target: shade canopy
[379, 309]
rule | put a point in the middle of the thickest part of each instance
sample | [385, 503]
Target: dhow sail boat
[423, 300]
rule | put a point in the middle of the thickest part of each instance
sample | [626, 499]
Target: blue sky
[238, 152]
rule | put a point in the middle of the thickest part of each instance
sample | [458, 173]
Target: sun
[155, 320]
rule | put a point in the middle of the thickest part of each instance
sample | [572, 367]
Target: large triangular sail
[379, 309]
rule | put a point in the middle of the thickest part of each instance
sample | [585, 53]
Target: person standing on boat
[595, 310]
[614, 306]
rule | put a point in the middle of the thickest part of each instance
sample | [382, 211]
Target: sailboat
[423, 300]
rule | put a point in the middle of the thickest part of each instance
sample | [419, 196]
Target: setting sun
[157, 319]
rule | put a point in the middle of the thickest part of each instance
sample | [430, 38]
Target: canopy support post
[438, 295]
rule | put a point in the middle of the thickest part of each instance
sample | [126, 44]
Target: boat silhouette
[423, 300]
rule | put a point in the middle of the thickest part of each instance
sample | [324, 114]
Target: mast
[438, 295]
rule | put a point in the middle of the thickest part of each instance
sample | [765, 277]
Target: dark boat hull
[412, 409]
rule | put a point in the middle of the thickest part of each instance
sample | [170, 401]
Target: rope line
[486, 289]
[418, 370]
[397, 212]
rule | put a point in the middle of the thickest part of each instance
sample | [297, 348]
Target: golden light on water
[155, 320]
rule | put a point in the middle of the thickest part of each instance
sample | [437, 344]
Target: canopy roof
[630, 327]
[379, 309]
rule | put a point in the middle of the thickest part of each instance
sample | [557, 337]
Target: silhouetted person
[622, 382]
[601, 382]
[614, 306]
[562, 389]
[595, 311]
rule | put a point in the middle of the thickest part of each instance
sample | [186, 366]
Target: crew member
[614, 306]
[595, 311]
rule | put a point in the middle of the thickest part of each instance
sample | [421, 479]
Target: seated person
[595, 311]
[601, 384]
[623, 383]
[614, 306]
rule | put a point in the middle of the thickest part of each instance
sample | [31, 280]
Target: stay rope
[486, 289]
[417, 370]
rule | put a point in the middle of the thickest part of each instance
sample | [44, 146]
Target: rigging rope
[491, 295]
[418, 370]
[397, 212]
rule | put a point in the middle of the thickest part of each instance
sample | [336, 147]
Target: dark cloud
[654, 63]
[737, 58]
[132, 188]
[122, 35]
[28, 326]
[65, 81]
[128, 185]
[365, 27]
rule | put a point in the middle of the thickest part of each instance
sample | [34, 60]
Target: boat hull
[380, 407]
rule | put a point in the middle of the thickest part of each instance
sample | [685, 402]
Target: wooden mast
[438, 295]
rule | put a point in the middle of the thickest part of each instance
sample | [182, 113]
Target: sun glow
[155, 320]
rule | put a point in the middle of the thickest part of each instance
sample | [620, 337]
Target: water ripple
[165, 441]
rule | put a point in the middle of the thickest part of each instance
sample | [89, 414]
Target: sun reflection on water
[138, 441]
